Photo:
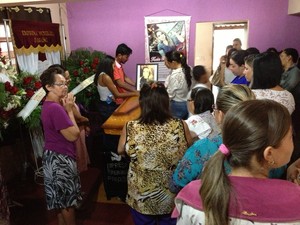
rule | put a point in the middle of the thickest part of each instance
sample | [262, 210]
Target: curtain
[32, 38]
[28, 63]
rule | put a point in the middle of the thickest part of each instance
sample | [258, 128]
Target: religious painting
[145, 73]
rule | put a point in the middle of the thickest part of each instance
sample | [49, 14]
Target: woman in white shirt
[179, 83]
[107, 89]
[267, 72]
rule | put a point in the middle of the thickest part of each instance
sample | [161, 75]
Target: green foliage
[34, 120]
[81, 64]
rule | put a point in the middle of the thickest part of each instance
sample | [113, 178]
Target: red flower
[81, 63]
[14, 90]
[6, 114]
[75, 73]
[29, 93]
[27, 80]
[7, 86]
[86, 70]
[96, 60]
[37, 84]
[94, 65]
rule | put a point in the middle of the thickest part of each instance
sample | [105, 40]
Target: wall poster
[163, 34]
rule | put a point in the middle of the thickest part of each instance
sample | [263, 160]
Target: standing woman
[154, 143]
[62, 183]
[107, 89]
[179, 83]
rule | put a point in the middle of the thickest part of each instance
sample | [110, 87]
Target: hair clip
[224, 150]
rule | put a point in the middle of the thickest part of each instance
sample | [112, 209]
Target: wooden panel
[294, 7]
[204, 45]
[128, 110]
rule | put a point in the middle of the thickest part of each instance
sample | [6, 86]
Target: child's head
[202, 100]
[200, 74]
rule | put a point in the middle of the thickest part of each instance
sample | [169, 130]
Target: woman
[82, 156]
[237, 66]
[248, 71]
[267, 72]
[107, 89]
[252, 145]
[146, 75]
[190, 166]
[179, 83]
[154, 143]
[202, 124]
[62, 183]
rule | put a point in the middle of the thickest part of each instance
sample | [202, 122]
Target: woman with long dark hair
[178, 83]
[154, 143]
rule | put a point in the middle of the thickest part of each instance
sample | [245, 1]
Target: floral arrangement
[82, 64]
[15, 91]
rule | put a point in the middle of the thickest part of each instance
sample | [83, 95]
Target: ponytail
[186, 69]
[179, 57]
[215, 191]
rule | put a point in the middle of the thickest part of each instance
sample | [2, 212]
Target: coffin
[128, 110]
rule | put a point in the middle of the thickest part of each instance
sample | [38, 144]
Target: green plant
[82, 64]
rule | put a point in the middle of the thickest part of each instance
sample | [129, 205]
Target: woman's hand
[293, 172]
[68, 102]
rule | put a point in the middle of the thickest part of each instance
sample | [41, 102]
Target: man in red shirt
[123, 82]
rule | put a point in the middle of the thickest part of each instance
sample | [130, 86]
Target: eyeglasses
[60, 84]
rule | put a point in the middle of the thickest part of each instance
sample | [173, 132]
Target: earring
[271, 163]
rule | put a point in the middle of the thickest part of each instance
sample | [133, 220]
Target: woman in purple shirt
[62, 183]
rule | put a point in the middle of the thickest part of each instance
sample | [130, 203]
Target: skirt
[61, 179]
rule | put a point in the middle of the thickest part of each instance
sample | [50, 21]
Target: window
[7, 48]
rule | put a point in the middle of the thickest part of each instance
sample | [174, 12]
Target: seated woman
[107, 89]
[154, 143]
[202, 123]
[267, 72]
[252, 145]
[190, 166]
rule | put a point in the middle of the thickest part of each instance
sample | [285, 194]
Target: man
[123, 82]
[237, 44]
[291, 75]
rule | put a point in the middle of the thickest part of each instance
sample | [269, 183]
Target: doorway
[210, 47]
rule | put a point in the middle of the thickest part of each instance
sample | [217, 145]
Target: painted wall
[103, 24]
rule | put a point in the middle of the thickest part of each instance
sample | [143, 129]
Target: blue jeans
[179, 109]
[142, 219]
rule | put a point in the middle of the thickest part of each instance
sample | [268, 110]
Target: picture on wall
[145, 73]
[163, 34]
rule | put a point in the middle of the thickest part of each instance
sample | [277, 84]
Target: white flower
[5, 125]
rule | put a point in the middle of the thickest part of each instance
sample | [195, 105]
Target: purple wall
[103, 24]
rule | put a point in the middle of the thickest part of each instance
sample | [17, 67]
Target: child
[202, 123]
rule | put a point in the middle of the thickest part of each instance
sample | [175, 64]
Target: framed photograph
[145, 73]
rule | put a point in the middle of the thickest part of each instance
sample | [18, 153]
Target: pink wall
[103, 24]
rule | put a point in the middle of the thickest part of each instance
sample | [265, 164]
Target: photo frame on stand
[145, 73]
